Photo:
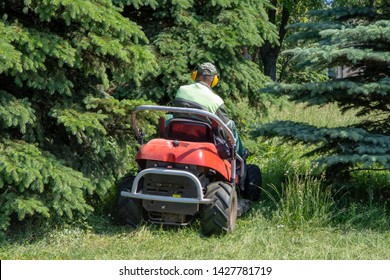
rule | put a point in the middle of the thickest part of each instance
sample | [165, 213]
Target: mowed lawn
[254, 238]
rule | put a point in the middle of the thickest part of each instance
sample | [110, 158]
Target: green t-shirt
[202, 95]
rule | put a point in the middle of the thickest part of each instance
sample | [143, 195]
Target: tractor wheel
[128, 211]
[219, 217]
[253, 183]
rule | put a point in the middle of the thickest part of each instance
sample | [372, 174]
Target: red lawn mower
[190, 171]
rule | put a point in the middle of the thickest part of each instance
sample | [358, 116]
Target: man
[245, 53]
[200, 95]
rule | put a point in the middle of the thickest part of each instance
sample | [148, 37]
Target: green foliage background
[187, 32]
[356, 38]
[63, 141]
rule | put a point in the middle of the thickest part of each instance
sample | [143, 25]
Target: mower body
[184, 174]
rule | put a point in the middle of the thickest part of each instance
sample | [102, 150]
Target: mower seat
[189, 130]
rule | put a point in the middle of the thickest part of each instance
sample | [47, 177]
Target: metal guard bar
[163, 171]
[199, 112]
[184, 110]
[242, 168]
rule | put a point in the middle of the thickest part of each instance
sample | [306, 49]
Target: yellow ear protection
[215, 81]
[194, 76]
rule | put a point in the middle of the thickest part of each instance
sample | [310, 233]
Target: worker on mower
[200, 95]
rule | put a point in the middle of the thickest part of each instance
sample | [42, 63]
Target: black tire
[219, 217]
[253, 183]
[128, 211]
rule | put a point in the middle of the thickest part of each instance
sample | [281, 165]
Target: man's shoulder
[209, 90]
[198, 92]
[214, 97]
[186, 88]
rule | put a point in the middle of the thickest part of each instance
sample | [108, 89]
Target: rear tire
[128, 211]
[253, 183]
[219, 217]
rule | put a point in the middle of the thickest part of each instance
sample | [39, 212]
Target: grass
[256, 237]
[299, 217]
[303, 201]
[322, 116]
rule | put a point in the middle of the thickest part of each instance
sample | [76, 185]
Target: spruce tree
[185, 33]
[357, 38]
[63, 140]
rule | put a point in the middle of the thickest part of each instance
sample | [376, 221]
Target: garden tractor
[192, 170]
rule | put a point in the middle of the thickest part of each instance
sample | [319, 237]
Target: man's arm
[223, 115]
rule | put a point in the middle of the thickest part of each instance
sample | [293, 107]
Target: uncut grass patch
[303, 201]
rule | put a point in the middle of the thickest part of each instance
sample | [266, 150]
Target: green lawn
[255, 238]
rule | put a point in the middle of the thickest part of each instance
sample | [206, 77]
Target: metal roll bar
[198, 112]
[189, 111]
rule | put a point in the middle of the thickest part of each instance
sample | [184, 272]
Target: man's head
[207, 73]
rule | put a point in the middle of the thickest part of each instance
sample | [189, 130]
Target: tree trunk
[269, 56]
[269, 53]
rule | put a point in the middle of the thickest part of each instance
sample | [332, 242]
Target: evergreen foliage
[359, 40]
[63, 141]
[185, 33]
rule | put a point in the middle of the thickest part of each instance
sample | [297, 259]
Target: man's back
[198, 94]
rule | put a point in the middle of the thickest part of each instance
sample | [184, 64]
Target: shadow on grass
[35, 230]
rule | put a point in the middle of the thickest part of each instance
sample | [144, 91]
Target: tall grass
[303, 201]
[299, 197]
[327, 115]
